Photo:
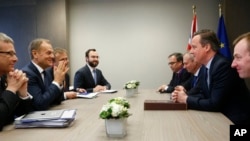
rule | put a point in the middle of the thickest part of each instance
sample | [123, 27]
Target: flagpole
[220, 9]
[194, 8]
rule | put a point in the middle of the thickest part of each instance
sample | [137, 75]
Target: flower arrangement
[116, 108]
[132, 84]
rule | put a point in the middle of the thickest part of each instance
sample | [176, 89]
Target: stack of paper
[50, 118]
[93, 95]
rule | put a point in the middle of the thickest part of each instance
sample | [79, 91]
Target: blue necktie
[195, 78]
[206, 77]
[94, 74]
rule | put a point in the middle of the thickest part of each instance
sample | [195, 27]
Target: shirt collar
[197, 72]
[91, 68]
[209, 63]
[38, 67]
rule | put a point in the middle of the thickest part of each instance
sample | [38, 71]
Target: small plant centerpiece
[131, 87]
[115, 113]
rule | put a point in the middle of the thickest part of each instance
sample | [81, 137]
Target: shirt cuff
[27, 97]
[166, 87]
[65, 96]
[55, 83]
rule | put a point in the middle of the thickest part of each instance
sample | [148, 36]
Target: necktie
[44, 78]
[94, 74]
[43, 75]
[206, 76]
[194, 81]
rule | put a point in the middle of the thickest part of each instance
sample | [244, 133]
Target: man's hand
[161, 88]
[179, 96]
[71, 94]
[81, 90]
[17, 81]
[99, 88]
[60, 71]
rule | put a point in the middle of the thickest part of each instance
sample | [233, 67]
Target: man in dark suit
[222, 89]
[14, 97]
[45, 90]
[61, 54]
[242, 55]
[89, 77]
[195, 68]
[180, 75]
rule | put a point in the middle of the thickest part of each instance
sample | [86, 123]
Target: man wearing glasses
[180, 75]
[14, 98]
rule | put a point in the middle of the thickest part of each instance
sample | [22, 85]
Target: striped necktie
[94, 75]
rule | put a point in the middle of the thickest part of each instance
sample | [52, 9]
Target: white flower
[115, 108]
[132, 84]
[105, 107]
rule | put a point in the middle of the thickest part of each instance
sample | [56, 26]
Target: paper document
[87, 95]
[108, 91]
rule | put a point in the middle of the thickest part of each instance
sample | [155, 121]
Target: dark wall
[25, 20]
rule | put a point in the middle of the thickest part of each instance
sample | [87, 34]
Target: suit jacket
[84, 79]
[226, 93]
[66, 81]
[11, 105]
[189, 85]
[178, 79]
[44, 95]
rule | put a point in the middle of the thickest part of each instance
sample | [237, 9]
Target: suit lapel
[35, 70]
[90, 76]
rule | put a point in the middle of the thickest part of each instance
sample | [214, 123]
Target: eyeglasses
[171, 63]
[10, 53]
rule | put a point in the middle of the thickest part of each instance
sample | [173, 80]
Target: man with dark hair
[180, 75]
[222, 90]
[89, 77]
[14, 97]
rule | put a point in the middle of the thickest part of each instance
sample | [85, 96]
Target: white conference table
[168, 125]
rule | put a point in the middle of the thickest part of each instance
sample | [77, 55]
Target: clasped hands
[17, 83]
[179, 95]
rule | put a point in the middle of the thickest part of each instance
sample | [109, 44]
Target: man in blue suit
[45, 90]
[89, 77]
[191, 86]
[222, 90]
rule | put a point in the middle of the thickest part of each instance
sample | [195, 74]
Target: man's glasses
[10, 53]
[171, 63]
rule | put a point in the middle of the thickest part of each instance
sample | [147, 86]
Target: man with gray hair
[14, 97]
[46, 90]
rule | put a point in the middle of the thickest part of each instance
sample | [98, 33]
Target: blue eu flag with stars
[222, 35]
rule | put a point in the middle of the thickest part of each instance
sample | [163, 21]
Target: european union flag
[222, 35]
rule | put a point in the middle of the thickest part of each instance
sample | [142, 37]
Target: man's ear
[208, 47]
[34, 53]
